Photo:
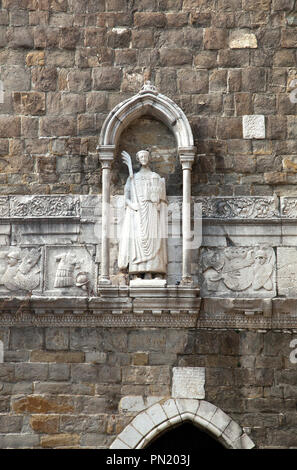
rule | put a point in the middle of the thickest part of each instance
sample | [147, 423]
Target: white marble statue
[143, 242]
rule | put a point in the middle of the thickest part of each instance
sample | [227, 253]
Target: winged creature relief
[238, 269]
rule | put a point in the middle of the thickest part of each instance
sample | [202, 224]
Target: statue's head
[261, 257]
[143, 157]
[13, 257]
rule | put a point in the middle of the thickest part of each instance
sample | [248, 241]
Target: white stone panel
[287, 271]
[253, 126]
[188, 382]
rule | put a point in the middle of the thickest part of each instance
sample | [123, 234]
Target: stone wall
[61, 387]
[77, 371]
[66, 63]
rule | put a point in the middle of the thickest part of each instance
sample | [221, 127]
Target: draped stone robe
[143, 242]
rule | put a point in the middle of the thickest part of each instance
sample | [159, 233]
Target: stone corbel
[187, 157]
[106, 156]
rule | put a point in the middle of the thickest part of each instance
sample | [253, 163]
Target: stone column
[106, 156]
[187, 157]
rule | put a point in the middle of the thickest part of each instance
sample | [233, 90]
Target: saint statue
[143, 243]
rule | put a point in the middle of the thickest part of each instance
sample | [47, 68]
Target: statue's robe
[143, 242]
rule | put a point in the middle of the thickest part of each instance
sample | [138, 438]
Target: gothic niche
[237, 271]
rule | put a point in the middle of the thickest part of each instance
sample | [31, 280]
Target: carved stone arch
[147, 102]
[170, 412]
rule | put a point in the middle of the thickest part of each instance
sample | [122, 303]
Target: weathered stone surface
[188, 382]
[58, 126]
[29, 103]
[44, 78]
[253, 127]
[242, 39]
[56, 357]
[60, 440]
[45, 424]
[106, 78]
[41, 404]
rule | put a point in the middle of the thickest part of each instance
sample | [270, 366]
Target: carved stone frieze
[69, 270]
[20, 269]
[44, 206]
[238, 207]
[289, 207]
[4, 206]
[237, 271]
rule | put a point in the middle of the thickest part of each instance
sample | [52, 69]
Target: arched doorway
[169, 413]
[182, 437]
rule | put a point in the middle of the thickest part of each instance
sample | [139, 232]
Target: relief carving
[239, 208]
[69, 270]
[22, 270]
[239, 271]
[44, 206]
[66, 275]
[289, 207]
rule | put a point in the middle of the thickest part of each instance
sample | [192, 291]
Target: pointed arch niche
[166, 414]
[147, 102]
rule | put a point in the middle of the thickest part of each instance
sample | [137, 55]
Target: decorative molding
[44, 206]
[289, 207]
[239, 207]
[4, 206]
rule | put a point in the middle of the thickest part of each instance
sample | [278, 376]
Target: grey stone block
[31, 371]
[19, 441]
[57, 338]
[26, 338]
[58, 372]
[84, 373]
[10, 424]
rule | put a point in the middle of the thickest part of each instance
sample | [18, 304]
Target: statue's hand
[133, 205]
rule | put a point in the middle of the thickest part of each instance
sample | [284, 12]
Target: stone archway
[170, 412]
[147, 101]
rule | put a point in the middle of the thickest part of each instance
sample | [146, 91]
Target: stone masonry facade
[66, 63]
[61, 387]
[231, 67]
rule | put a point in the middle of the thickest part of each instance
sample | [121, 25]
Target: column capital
[187, 157]
[106, 153]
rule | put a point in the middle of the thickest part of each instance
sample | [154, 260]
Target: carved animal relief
[238, 271]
